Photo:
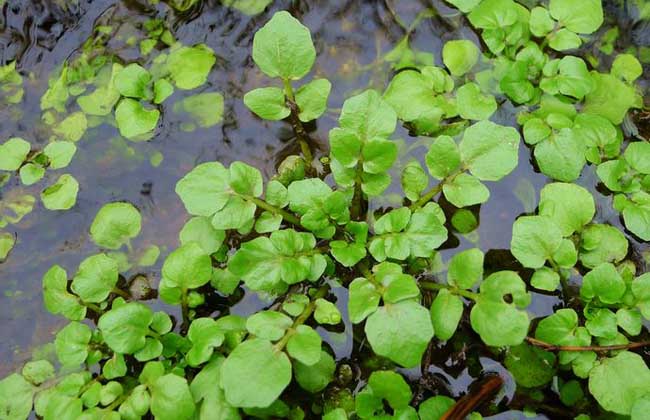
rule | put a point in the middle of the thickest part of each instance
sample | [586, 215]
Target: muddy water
[350, 38]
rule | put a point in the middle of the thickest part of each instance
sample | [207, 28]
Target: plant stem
[296, 124]
[93, 307]
[275, 210]
[429, 285]
[306, 313]
[185, 310]
[552, 347]
[427, 197]
[121, 292]
[355, 211]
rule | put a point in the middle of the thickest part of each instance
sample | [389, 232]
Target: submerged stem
[552, 347]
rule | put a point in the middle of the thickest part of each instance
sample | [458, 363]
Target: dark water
[349, 38]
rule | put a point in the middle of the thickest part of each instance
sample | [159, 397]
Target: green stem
[185, 310]
[427, 197]
[357, 199]
[94, 307]
[306, 313]
[429, 285]
[275, 210]
[298, 128]
[121, 292]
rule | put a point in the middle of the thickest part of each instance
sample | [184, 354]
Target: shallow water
[349, 37]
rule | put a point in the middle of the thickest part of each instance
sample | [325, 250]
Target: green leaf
[311, 99]
[493, 14]
[189, 66]
[267, 103]
[134, 120]
[562, 157]
[531, 367]
[71, 344]
[500, 323]
[368, 115]
[188, 267]
[390, 386]
[569, 205]
[283, 48]
[629, 320]
[618, 382]
[601, 323]
[460, 56]
[414, 180]
[305, 345]
[489, 151]
[435, 407]
[162, 89]
[204, 109]
[7, 242]
[314, 378]
[115, 225]
[16, 396]
[38, 371]
[580, 16]
[202, 190]
[95, 279]
[171, 398]
[398, 237]
[558, 328]
[637, 215]
[411, 95]
[446, 311]
[545, 278]
[286, 257]
[465, 190]
[378, 156]
[626, 67]
[56, 297]
[573, 78]
[270, 325]
[60, 153]
[133, 81]
[464, 221]
[248, 7]
[201, 231]
[255, 358]
[540, 22]
[600, 244]
[326, 312]
[534, 240]
[601, 102]
[205, 335]
[400, 332]
[363, 299]
[443, 157]
[61, 195]
[125, 327]
[603, 282]
[31, 173]
[101, 101]
[474, 105]
[564, 40]
[636, 155]
[465, 268]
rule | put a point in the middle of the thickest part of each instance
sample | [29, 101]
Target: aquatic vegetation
[312, 241]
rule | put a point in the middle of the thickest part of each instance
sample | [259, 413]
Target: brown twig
[468, 403]
[552, 347]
